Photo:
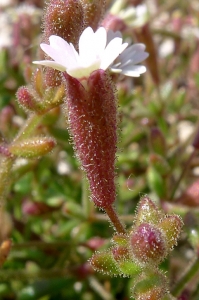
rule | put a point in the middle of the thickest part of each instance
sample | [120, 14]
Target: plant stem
[6, 165]
[28, 127]
[115, 220]
[184, 280]
[184, 170]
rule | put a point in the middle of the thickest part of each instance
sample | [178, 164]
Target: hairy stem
[115, 220]
[28, 127]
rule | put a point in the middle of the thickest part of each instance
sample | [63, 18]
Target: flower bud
[92, 115]
[113, 22]
[152, 285]
[33, 147]
[93, 12]
[171, 226]
[104, 263]
[38, 82]
[126, 265]
[147, 212]
[121, 253]
[120, 240]
[26, 99]
[53, 77]
[147, 244]
[64, 18]
[35, 208]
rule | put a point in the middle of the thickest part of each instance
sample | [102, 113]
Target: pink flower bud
[92, 114]
[64, 18]
[35, 208]
[113, 22]
[25, 98]
[93, 12]
[147, 244]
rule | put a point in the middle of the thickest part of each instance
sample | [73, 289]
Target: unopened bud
[26, 99]
[53, 78]
[152, 285]
[33, 147]
[113, 22]
[147, 244]
[121, 253]
[64, 18]
[38, 82]
[120, 239]
[104, 263]
[171, 226]
[93, 12]
[124, 260]
[147, 212]
[35, 208]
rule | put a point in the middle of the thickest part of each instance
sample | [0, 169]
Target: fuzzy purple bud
[64, 18]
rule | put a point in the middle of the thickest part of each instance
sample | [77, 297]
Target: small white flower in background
[97, 50]
[135, 16]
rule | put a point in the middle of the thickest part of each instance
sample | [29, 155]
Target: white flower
[97, 50]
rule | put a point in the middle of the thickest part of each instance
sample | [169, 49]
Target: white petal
[58, 43]
[111, 35]
[100, 39]
[131, 51]
[50, 63]
[113, 49]
[86, 46]
[133, 71]
[55, 54]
